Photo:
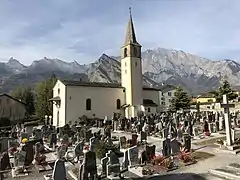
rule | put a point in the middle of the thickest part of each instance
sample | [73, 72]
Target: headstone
[187, 142]
[4, 161]
[133, 156]
[53, 139]
[79, 149]
[88, 167]
[143, 136]
[175, 146]
[166, 147]
[123, 142]
[113, 166]
[59, 171]
[227, 120]
[3, 144]
[134, 139]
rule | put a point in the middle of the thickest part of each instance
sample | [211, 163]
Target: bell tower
[131, 71]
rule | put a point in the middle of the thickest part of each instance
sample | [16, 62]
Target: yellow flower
[25, 140]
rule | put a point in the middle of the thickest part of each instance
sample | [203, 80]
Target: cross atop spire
[130, 35]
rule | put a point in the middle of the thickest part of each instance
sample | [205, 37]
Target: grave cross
[226, 106]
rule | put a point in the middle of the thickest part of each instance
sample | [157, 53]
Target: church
[73, 99]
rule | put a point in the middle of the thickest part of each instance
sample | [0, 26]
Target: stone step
[226, 172]
[212, 177]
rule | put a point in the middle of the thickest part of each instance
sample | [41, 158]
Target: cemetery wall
[103, 101]
[59, 113]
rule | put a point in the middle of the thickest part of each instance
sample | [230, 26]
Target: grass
[200, 155]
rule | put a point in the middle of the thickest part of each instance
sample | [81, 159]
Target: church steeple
[130, 34]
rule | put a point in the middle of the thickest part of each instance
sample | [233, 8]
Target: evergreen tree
[180, 100]
[225, 88]
[44, 92]
[25, 95]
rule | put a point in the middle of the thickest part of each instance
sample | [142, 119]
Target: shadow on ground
[177, 176]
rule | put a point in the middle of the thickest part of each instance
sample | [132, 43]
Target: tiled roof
[15, 99]
[100, 84]
[149, 102]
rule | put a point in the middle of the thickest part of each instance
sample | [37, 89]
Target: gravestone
[79, 149]
[134, 139]
[53, 139]
[88, 135]
[150, 151]
[123, 142]
[166, 147]
[113, 165]
[175, 146]
[59, 171]
[88, 166]
[4, 161]
[225, 105]
[133, 156]
[187, 142]
[3, 144]
[143, 136]
[19, 158]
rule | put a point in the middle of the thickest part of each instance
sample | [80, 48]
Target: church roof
[130, 34]
[101, 84]
[91, 84]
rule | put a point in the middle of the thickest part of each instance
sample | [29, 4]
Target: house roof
[100, 84]
[149, 102]
[15, 99]
[167, 87]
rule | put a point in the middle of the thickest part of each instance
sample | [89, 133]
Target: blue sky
[84, 29]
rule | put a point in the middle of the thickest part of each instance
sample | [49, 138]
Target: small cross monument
[226, 106]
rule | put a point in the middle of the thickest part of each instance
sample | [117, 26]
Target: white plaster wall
[103, 101]
[62, 109]
[131, 75]
[152, 110]
[165, 102]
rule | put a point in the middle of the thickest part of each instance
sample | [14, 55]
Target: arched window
[118, 103]
[88, 104]
[125, 52]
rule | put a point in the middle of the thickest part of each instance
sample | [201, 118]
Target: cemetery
[121, 148]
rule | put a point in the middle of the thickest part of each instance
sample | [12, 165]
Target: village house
[11, 108]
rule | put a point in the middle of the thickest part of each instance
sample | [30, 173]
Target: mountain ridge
[196, 74]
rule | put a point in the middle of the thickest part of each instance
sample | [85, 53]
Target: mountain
[193, 73]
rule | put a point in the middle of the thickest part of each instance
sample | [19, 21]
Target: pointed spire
[130, 35]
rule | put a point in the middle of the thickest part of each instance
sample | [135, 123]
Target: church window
[125, 64]
[118, 103]
[136, 63]
[125, 52]
[88, 104]
[125, 71]
[58, 91]
[149, 110]
[169, 93]
[135, 51]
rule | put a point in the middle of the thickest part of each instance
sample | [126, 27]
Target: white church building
[73, 99]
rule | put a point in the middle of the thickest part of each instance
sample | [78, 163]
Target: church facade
[73, 99]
